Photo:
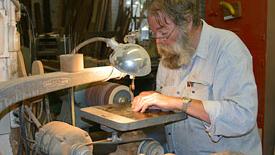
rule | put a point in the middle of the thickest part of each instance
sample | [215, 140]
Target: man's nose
[163, 42]
[159, 41]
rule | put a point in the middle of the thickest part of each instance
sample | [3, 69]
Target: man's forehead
[160, 18]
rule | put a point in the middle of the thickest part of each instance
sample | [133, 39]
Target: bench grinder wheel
[150, 147]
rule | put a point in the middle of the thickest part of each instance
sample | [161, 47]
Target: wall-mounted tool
[231, 10]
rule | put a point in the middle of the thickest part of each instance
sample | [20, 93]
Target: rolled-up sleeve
[233, 108]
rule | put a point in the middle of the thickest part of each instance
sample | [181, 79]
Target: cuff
[213, 110]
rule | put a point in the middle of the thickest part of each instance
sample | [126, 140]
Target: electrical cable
[31, 30]
[23, 130]
[30, 22]
[120, 142]
[27, 130]
[40, 111]
[33, 118]
[20, 148]
[47, 107]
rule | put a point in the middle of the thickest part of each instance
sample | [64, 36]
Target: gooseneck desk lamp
[129, 58]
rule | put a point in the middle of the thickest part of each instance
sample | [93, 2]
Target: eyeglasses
[161, 35]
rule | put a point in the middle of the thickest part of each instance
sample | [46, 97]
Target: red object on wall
[251, 27]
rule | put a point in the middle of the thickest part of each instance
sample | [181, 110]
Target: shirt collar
[202, 49]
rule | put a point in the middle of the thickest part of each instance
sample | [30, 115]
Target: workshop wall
[251, 28]
[250, 23]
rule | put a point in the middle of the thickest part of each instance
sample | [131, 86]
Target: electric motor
[59, 138]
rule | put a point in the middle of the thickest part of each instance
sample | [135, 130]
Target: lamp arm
[110, 43]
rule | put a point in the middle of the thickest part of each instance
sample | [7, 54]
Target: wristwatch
[185, 103]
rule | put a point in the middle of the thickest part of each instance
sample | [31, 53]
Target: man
[207, 73]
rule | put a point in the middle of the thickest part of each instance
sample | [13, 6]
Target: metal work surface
[121, 117]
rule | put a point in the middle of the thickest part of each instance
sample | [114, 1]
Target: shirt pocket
[200, 89]
[169, 90]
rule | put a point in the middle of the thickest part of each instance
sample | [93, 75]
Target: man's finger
[134, 102]
[144, 107]
[138, 104]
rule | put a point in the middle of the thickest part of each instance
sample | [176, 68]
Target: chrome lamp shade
[131, 59]
[128, 58]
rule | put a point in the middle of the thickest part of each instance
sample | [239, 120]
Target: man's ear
[189, 21]
[188, 18]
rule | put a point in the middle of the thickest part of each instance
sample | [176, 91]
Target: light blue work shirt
[221, 76]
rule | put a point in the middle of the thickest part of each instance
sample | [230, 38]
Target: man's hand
[152, 99]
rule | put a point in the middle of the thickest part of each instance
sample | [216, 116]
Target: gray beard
[176, 55]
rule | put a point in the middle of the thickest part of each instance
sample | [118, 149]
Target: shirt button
[178, 92]
[193, 92]
[169, 133]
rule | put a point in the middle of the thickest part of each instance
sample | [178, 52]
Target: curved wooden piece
[17, 90]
